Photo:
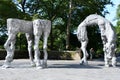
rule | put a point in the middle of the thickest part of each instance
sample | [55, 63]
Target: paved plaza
[60, 70]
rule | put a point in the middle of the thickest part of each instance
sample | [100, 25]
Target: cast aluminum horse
[108, 37]
[15, 26]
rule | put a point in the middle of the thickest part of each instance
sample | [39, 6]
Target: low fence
[58, 55]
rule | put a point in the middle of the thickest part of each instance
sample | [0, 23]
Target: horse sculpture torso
[17, 25]
[108, 37]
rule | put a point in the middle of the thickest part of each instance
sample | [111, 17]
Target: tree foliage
[118, 15]
[59, 13]
[118, 27]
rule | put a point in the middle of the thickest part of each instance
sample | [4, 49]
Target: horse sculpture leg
[112, 50]
[10, 48]
[46, 34]
[114, 61]
[37, 52]
[110, 54]
[106, 51]
[37, 34]
[104, 40]
[29, 41]
[85, 54]
[106, 60]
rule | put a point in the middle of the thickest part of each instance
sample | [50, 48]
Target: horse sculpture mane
[108, 37]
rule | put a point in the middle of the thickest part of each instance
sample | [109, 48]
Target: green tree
[7, 10]
[118, 27]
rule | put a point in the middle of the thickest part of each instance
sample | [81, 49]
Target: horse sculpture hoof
[5, 66]
[107, 65]
[114, 66]
[39, 67]
[45, 66]
[85, 63]
[81, 62]
[32, 64]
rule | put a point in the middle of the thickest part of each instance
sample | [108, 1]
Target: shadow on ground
[75, 66]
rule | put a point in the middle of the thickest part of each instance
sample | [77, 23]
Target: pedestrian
[92, 52]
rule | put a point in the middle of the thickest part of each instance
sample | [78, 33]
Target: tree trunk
[68, 25]
[51, 38]
[23, 9]
[23, 5]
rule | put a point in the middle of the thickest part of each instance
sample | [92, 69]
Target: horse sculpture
[108, 37]
[15, 26]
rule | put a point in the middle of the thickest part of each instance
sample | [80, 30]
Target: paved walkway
[60, 70]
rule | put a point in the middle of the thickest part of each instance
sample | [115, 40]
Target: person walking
[92, 52]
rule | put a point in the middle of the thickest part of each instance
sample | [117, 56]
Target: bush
[99, 53]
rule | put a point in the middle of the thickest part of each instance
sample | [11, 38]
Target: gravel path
[60, 70]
